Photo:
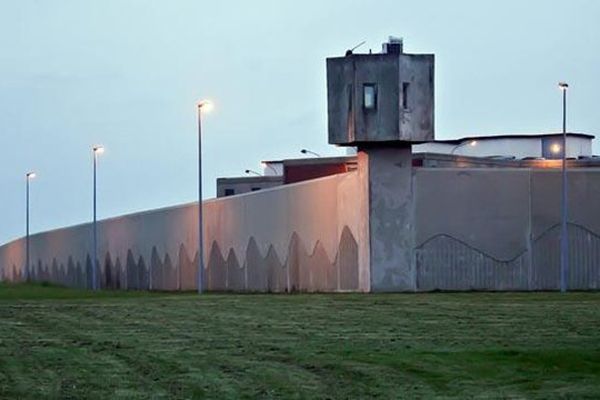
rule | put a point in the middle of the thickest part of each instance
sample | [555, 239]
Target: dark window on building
[370, 96]
[405, 86]
[254, 189]
[229, 192]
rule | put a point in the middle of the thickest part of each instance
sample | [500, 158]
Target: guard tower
[385, 97]
[381, 104]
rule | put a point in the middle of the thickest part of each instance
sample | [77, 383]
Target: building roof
[439, 160]
[511, 136]
[309, 160]
[327, 160]
[250, 179]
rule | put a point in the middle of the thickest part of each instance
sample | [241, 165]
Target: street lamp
[249, 171]
[471, 143]
[306, 151]
[564, 239]
[556, 148]
[203, 106]
[28, 177]
[96, 150]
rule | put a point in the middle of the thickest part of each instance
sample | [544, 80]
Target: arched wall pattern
[300, 237]
[482, 229]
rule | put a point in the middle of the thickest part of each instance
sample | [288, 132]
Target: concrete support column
[363, 236]
[391, 216]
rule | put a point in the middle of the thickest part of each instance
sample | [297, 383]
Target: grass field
[59, 343]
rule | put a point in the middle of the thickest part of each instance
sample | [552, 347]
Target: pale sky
[127, 74]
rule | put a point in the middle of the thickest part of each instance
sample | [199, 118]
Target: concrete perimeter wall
[483, 229]
[310, 236]
[408, 230]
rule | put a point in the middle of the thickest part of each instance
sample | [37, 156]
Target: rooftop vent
[393, 46]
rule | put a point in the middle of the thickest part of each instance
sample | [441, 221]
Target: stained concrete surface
[391, 218]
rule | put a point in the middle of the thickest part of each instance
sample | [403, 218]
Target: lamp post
[28, 177]
[471, 143]
[205, 106]
[96, 150]
[564, 239]
[306, 151]
[252, 172]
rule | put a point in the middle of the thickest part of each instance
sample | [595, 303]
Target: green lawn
[59, 343]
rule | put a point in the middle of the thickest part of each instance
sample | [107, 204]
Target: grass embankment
[59, 343]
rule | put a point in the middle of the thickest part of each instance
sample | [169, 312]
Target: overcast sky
[127, 74]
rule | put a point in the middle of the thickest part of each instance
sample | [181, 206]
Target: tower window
[369, 96]
[405, 86]
[229, 192]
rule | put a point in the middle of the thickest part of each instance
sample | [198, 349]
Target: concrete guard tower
[381, 104]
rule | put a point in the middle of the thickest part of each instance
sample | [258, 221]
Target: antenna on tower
[349, 52]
